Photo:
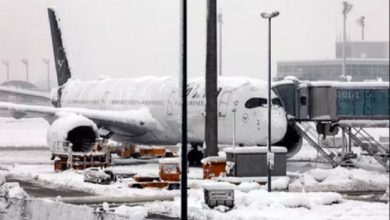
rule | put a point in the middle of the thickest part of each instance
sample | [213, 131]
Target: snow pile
[339, 179]
[260, 204]
[11, 190]
[134, 213]
[367, 162]
[248, 186]
[261, 198]
[280, 183]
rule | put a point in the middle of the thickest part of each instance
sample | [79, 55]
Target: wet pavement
[160, 217]
[39, 191]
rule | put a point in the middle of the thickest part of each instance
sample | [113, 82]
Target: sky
[131, 38]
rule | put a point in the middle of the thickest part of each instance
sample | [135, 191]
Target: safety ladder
[309, 133]
[363, 139]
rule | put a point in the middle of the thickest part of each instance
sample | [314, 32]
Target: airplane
[146, 110]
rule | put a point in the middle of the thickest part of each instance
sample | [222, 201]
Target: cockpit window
[255, 102]
[277, 101]
[258, 102]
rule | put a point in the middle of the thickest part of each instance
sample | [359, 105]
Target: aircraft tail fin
[62, 66]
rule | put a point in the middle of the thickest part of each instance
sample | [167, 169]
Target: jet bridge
[349, 106]
[334, 101]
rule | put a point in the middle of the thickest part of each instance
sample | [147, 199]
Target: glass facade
[331, 70]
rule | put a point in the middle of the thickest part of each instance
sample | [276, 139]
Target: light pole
[234, 128]
[269, 153]
[6, 63]
[47, 62]
[211, 122]
[25, 62]
[346, 9]
[362, 24]
[184, 161]
[220, 22]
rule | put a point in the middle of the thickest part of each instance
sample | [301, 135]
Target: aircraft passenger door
[304, 103]
[104, 100]
[171, 102]
[223, 103]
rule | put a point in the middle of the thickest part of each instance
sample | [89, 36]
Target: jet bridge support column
[347, 154]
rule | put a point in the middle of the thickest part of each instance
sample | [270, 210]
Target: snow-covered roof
[350, 84]
[366, 61]
[213, 159]
[245, 150]
[174, 160]
[371, 84]
[364, 123]
[218, 186]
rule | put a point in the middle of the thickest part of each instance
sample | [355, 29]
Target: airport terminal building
[357, 69]
[20, 84]
[365, 61]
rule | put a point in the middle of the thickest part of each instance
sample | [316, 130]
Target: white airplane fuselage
[161, 96]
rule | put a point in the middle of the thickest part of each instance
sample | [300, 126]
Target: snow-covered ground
[29, 132]
[259, 204]
[15, 204]
[340, 179]
[251, 199]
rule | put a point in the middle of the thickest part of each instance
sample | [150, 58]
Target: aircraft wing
[24, 93]
[135, 121]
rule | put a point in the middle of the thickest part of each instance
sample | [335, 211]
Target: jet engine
[76, 129]
[291, 140]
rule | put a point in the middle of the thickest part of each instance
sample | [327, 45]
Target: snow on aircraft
[146, 110]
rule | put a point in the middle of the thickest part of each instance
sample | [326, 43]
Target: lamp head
[269, 16]
[346, 7]
[360, 21]
[264, 15]
[274, 14]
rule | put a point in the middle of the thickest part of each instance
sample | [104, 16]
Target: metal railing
[309, 133]
[363, 139]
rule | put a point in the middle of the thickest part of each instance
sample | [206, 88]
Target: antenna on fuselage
[62, 66]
